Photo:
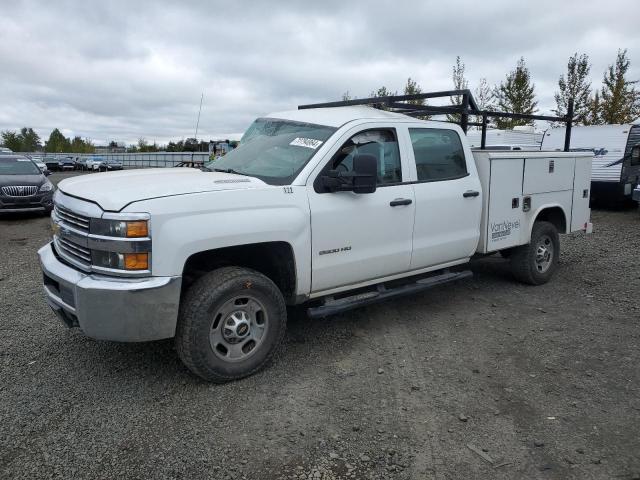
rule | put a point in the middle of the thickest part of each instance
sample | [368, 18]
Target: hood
[35, 179]
[114, 190]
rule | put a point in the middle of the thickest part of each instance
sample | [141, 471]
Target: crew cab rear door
[362, 237]
[448, 195]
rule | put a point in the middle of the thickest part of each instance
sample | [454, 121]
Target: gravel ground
[486, 378]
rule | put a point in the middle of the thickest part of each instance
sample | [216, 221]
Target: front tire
[232, 321]
[536, 262]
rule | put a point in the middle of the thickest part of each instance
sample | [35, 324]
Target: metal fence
[135, 160]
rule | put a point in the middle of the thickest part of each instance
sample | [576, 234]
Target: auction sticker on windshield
[306, 142]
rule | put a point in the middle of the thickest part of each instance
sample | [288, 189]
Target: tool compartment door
[580, 211]
[542, 175]
[504, 222]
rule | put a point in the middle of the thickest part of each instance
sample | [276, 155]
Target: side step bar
[332, 306]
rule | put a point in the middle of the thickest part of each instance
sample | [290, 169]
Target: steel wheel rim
[238, 328]
[544, 254]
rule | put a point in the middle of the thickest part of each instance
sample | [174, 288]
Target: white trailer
[609, 144]
[516, 139]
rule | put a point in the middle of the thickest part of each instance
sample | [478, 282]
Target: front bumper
[35, 203]
[109, 308]
[636, 194]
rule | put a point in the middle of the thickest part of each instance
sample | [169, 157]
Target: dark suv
[23, 187]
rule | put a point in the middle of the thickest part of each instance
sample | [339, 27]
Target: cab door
[448, 197]
[362, 237]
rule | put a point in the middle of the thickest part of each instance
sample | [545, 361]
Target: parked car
[51, 163]
[38, 161]
[109, 164]
[340, 207]
[81, 163]
[92, 163]
[66, 163]
[23, 187]
[190, 164]
[5, 150]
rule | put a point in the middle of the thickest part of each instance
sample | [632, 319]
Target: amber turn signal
[136, 261]
[137, 229]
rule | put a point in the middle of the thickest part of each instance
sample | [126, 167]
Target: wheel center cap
[236, 326]
[242, 329]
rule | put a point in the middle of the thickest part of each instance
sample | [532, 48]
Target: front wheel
[231, 323]
[536, 262]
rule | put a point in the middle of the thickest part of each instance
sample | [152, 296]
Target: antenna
[199, 111]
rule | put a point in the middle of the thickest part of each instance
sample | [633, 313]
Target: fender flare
[548, 206]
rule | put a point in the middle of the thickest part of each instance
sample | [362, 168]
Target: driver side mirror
[47, 173]
[365, 169]
[363, 178]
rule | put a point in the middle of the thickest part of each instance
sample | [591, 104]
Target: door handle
[400, 201]
[470, 193]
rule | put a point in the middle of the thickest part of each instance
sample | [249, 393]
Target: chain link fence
[134, 160]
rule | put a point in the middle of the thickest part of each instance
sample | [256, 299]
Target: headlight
[46, 186]
[120, 261]
[120, 228]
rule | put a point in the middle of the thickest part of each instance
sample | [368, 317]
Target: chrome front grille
[20, 190]
[72, 219]
[76, 251]
[72, 237]
[76, 245]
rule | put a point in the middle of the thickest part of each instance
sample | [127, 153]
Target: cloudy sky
[121, 70]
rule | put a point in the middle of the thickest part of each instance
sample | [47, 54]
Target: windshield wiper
[229, 170]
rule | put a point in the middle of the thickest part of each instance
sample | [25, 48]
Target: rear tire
[536, 262]
[232, 321]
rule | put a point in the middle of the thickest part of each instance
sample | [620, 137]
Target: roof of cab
[337, 116]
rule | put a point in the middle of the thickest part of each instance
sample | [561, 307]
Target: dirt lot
[483, 379]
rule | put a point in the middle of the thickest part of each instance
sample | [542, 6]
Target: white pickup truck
[334, 207]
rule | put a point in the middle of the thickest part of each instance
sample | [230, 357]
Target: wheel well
[273, 259]
[555, 216]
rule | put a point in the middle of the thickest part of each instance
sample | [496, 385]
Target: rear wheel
[536, 262]
[231, 322]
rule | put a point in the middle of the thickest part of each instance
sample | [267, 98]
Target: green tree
[516, 94]
[80, 145]
[381, 92]
[620, 101]
[11, 140]
[57, 142]
[485, 98]
[30, 140]
[594, 116]
[144, 146]
[575, 86]
[459, 83]
[412, 88]
[27, 140]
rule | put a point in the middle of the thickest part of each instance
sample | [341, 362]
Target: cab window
[439, 154]
[382, 144]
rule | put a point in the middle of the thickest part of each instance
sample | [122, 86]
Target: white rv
[610, 144]
[526, 138]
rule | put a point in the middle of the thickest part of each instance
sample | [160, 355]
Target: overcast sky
[120, 70]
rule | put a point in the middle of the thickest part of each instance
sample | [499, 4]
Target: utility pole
[199, 111]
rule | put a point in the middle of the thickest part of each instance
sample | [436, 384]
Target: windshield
[17, 166]
[274, 150]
